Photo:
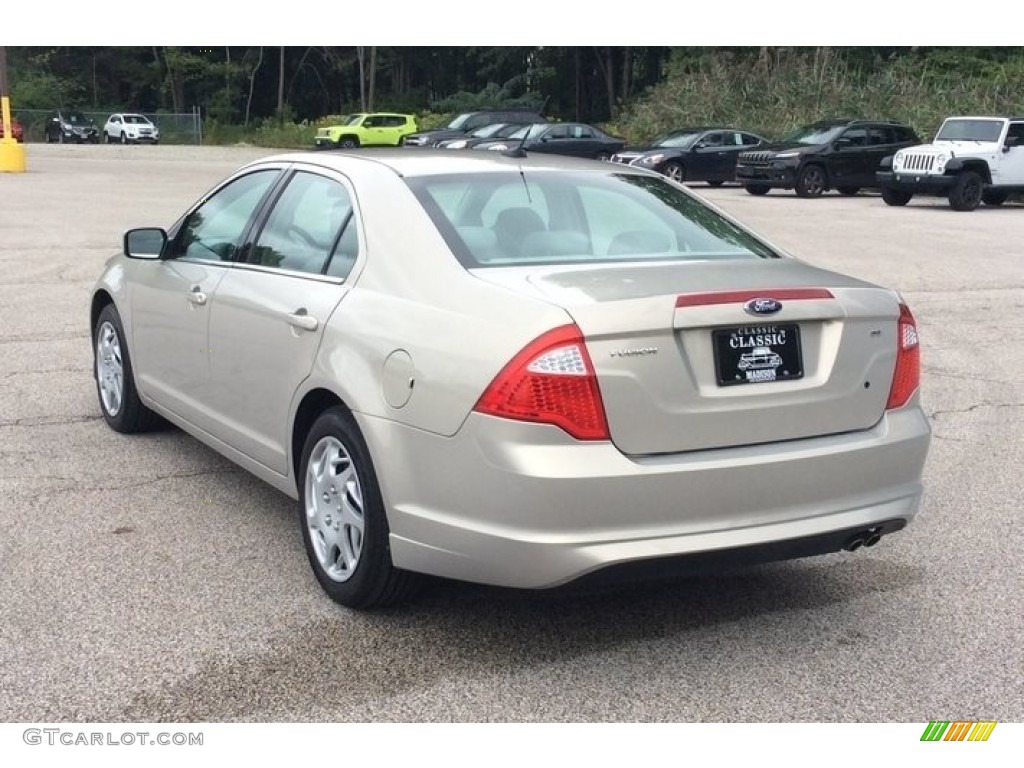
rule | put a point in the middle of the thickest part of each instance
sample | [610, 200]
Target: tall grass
[781, 89]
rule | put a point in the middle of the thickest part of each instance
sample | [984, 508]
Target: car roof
[854, 121]
[411, 162]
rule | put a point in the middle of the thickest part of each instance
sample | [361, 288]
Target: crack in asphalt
[963, 377]
[12, 374]
[78, 481]
[47, 421]
[935, 415]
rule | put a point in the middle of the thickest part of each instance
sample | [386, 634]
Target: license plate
[756, 354]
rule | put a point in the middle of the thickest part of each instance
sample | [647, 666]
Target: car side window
[583, 132]
[303, 227]
[558, 132]
[855, 137]
[878, 135]
[346, 252]
[1016, 130]
[750, 140]
[712, 140]
[213, 231]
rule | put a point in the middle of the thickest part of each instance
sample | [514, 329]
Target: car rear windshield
[970, 130]
[556, 217]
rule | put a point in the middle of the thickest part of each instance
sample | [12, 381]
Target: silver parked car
[514, 371]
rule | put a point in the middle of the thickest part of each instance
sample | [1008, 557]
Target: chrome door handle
[300, 318]
[196, 296]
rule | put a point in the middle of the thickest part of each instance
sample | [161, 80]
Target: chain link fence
[175, 128]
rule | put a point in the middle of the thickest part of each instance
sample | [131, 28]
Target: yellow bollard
[12, 154]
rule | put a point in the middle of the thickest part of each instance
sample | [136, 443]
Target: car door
[881, 143]
[847, 160]
[710, 158]
[171, 298]
[1008, 169]
[271, 309]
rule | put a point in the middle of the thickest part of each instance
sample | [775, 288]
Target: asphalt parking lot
[148, 579]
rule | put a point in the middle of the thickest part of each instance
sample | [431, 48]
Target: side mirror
[144, 243]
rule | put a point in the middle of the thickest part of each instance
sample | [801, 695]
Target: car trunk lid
[683, 366]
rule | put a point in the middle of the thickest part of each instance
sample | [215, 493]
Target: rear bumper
[911, 182]
[524, 505]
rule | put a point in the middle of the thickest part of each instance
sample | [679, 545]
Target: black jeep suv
[830, 154]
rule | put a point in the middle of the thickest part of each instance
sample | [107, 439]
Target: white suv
[130, 128]
[972, 160]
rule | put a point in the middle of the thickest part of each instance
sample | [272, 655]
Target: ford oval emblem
[762, 306]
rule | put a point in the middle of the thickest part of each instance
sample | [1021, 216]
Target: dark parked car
[693, 154]
[577, 139]
[471, 139]
[70, 125]
[470, 121]
[832, 154]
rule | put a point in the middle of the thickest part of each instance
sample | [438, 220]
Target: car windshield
[76, 117]
[352, 119]
[457, 123]
[677, 139]
[551, 217]
[487, 130]
[970, 130]
[815, 134]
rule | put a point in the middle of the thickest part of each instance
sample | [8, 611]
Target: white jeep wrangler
[972, 160]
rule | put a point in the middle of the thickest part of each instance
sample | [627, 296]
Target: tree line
[635, 87]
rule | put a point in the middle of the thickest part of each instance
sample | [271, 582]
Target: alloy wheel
[334, 509]
[109, 368]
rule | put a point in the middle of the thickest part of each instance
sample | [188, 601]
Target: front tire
[965, 194]
[757, 189]
[674, 170]
[848, 191]
[124, 137]
[348, 142]
[115, 380]
[716, 183]
[811, 181]
[896, 197]
[344, 524]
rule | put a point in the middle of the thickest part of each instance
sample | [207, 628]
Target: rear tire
[124, 137]
[115, 379]
[757, 189]
[848, 191]
[965, 194]
[343, 520]
[603, 156]
[811, 181]
[717, 183]
[994, 197]
[896, 197]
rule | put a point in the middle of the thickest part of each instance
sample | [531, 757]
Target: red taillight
[552, 381]
[907, 376]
